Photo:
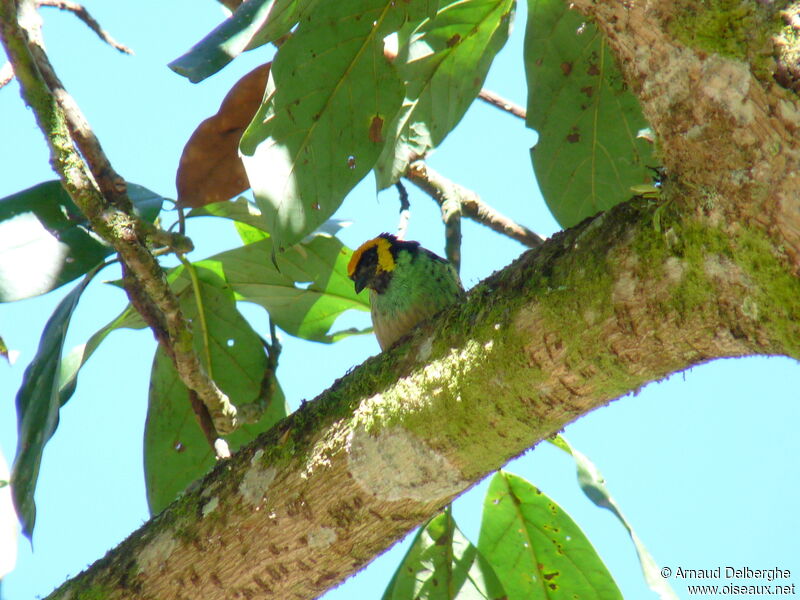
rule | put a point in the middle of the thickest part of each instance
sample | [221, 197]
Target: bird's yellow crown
[383, 244]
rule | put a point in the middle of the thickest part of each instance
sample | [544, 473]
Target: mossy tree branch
[100, 193]
[596, 313]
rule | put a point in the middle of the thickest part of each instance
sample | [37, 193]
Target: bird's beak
[360, 281]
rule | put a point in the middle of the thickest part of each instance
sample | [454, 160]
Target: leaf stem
[201, 312]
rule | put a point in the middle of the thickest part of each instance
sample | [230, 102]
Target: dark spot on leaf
[316, 206]
[552, 586]
[593, 69]
[453, 40]
[351, 161]
[538, 62]
[376, 130]
[573, 138]
[549, 576]
[179, 447]
[566, 68]
[588, 90]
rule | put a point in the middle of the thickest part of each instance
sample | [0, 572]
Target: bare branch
[80, 11]
[440, 189]
[503, 104]
[100, 193]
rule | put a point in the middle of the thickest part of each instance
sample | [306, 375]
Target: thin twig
[101, 194]
[6, 74]
[503, 104]
[80, 11]
[439, 188]
[405, 211]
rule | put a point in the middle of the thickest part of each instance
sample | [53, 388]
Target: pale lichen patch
[396, 465]
[750, 308]
[674, 268]
[624, 289]
[789, 112]
[425, 349]
[722, 268]
[727, 82]
[210, 506]
[321, 537]
[256, 480]
[156, 552]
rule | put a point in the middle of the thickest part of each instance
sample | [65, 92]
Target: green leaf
[593, 485]
[175, 449]
[306, 295]
[321, 128]
[38, 403]
[45, 240]
[255, 22]
[536, 549]
[444, 61]
[442, 564]
[588, 155]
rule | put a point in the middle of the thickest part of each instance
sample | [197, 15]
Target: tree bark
[647, 289]
[623, 299]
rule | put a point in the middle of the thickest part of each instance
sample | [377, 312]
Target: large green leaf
[444, 62]
[175, 449]
[306, 295]
[588, 154]
[255, 22]
[442, 564]
[322, 126]
[536, 549]
[45, 241]
[593, 485]
[38, 403]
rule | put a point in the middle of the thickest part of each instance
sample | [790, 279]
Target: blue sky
[704, 465]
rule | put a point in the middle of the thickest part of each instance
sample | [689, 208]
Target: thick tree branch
[101, 195]
[722, 126]
[445, 191]
[595, 313]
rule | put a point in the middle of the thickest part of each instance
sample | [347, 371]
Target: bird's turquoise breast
[420, 285]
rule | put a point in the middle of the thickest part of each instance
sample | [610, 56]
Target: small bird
[407, 284]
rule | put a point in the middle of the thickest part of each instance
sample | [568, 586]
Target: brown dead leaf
[210, 169]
